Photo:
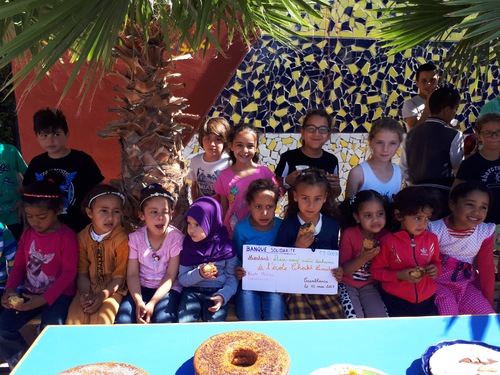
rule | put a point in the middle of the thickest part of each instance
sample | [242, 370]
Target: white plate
[346, 369]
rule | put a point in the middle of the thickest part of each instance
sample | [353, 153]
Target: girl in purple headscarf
[207, 264]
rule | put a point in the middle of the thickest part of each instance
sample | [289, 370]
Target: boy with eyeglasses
[484, 165]
[315, 132]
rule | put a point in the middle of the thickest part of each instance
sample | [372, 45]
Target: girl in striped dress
[467, 282]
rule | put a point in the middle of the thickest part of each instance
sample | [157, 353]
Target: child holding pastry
[363, 223]
[207, 263]
[408, 261]
[45, 263]
[309, 225]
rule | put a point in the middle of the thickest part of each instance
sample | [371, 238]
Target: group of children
[158, 274]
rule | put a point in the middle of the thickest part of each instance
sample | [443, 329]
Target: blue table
[392, 345]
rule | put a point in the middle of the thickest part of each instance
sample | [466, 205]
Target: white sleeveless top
[389, 188]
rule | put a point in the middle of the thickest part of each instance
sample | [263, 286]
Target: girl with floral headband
[153, 263]
[46, 260]
[102, 264]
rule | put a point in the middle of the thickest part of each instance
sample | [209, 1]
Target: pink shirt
[150, 272]
[49, 262]
[234, 189]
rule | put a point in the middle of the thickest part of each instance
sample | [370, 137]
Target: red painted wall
[204, 78]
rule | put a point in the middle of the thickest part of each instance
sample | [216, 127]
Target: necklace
[154, 255]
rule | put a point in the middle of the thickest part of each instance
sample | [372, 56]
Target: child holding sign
[260, 228]
[363, 223]
[309, 225]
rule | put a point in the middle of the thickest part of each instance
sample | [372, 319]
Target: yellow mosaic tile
[252, 107]
[309, 58]
[233, 100]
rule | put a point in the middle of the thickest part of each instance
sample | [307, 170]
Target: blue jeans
[165, 310]
[11, 321]
[195, 303]
[252, 305]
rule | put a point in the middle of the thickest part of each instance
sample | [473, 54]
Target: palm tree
[143, 35]
[476, 24]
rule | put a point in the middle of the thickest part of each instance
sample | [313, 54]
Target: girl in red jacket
[408, 261]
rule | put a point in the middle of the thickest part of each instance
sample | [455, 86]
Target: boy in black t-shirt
[73, 170]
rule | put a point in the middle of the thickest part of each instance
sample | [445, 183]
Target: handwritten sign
[289, 269]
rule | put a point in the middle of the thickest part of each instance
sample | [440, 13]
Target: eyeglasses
[321, 129]
[490, 134]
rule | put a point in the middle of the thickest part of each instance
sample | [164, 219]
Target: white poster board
[289, 270]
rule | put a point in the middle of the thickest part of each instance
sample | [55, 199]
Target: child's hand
[140, 312]
[369, 254]
[150, 308]
[5, 298]
[239, 272]
[334, 180]
[218, 301]
[432, 271]
[85, 300]
[96, 303]
[304, 240]
[148, 312]
[404, 275]
[337, 273]
[207, 274]
[34, 301]
[290, 179]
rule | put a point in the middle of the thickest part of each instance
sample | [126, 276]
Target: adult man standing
[433, 149]
[415, 110]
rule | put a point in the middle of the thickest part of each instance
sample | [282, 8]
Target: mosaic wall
[337, 66]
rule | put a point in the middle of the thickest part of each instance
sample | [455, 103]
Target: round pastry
[105, 368]
[306, 228]
[369, 244]
[209, 267]
[241, 353]
[16, 301]
[418, 272]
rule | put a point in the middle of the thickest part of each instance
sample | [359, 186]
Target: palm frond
[86, 30]
[473, 24]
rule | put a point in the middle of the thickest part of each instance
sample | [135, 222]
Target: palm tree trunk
[149, 128]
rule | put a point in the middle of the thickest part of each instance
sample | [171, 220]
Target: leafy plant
[43, 32]
[475, 24]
